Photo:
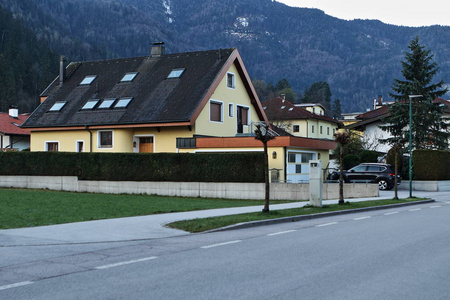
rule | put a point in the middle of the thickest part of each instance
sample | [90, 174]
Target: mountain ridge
[359, 58]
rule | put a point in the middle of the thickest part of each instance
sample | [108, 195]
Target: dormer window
[107, 103]
[90, 104]
[176, 73]
[57, 106]
[88, 79]
[128, 77]
[123, 102]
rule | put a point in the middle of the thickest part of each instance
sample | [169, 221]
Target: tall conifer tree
[429, 129]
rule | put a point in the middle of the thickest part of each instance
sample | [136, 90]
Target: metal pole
[410, 142]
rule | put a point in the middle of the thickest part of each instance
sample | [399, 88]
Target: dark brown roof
[383, 112]
[156, 98]
[279, 109]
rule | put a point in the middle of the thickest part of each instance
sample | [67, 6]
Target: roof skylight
[176, 73]
[128, 77]
[107, 103]
[88, 80]
[90, 104]
[57, 106]
[123, 102]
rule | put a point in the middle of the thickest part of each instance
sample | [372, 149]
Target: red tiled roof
[281, 109]
[10, 126]
[373, 113]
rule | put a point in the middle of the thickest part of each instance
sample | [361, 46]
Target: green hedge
[179, 167]
[431, 165]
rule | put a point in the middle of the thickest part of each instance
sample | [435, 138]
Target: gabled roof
[11, 126]
[383, 112]
[156, 99]
[280, 109]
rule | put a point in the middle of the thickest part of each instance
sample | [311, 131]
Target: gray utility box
[315, 183]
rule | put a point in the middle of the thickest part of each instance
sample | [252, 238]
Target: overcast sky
[397, 12]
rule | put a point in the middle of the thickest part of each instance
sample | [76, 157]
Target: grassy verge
[27, 208]
[199, 225]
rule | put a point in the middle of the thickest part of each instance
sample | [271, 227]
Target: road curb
[315, 216]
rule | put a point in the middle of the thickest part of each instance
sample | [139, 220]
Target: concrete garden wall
[279, 191]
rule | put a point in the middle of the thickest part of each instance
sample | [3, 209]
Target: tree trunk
[266, 179]
[341, 176]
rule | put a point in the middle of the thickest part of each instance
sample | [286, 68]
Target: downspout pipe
[90, 137]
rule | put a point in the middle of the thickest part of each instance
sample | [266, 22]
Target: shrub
[368, 156]
[181, 167]
[350, 161]
[431, 165]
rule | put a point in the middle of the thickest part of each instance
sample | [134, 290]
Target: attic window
[107, 103]
[283, 107]
[123, 102]
[128, 77]
[88, 79]
[231, 80]
[90, 104]
[176, 73]
[290, 109]
[57, 106]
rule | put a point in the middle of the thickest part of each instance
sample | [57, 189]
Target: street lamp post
[410, 142]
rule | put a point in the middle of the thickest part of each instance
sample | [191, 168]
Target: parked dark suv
[383, 174]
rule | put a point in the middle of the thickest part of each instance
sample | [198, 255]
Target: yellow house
[185, 102]
[157, 103]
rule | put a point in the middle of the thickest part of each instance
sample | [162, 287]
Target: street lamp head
[414, 96]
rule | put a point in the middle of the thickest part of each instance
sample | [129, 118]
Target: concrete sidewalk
[143, 227]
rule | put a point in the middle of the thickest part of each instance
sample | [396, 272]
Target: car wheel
[383, 185]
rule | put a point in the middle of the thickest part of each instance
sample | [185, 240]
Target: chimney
[380, 100]
[13, 112]
[62, 70]
[283, 97]
[157, 49]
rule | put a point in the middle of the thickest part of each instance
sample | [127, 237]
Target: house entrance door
[146, 144]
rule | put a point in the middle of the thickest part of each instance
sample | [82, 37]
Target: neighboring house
[12, 137]
[370, 122]
[185, 102]
[306, 135]
[315, 108]
[156, 103]
[298, 121]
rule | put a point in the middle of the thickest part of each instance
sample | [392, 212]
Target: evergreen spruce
[429, 129]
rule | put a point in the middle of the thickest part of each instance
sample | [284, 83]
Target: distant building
[12, 137]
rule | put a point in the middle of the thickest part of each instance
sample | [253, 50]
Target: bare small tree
[342, 138]
[262, 134]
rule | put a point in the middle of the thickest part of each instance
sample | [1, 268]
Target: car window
[375, 169]
[359, 169]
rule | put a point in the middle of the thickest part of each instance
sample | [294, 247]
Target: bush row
[431, 165]
[179, 167]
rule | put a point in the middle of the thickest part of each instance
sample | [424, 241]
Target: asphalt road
[401, 253]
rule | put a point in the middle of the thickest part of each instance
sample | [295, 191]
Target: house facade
[370, 123]
[146, 104]
[185, 102]
[12, 136]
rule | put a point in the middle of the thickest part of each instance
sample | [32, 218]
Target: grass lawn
[27, 208]
[199, 225]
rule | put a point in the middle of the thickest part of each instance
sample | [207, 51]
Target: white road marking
[435, 206]
[281, 232]
[391, 213]
[362, 218]
[415, 209]
[125, 263]
[326, 224]
[221, 244]
[9, 286]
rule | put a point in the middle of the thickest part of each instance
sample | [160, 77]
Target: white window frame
[77, 143]
[51, 142]
[230, 110]
[136, 141]
[221, 110]
[99, 146]
[233, 81]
